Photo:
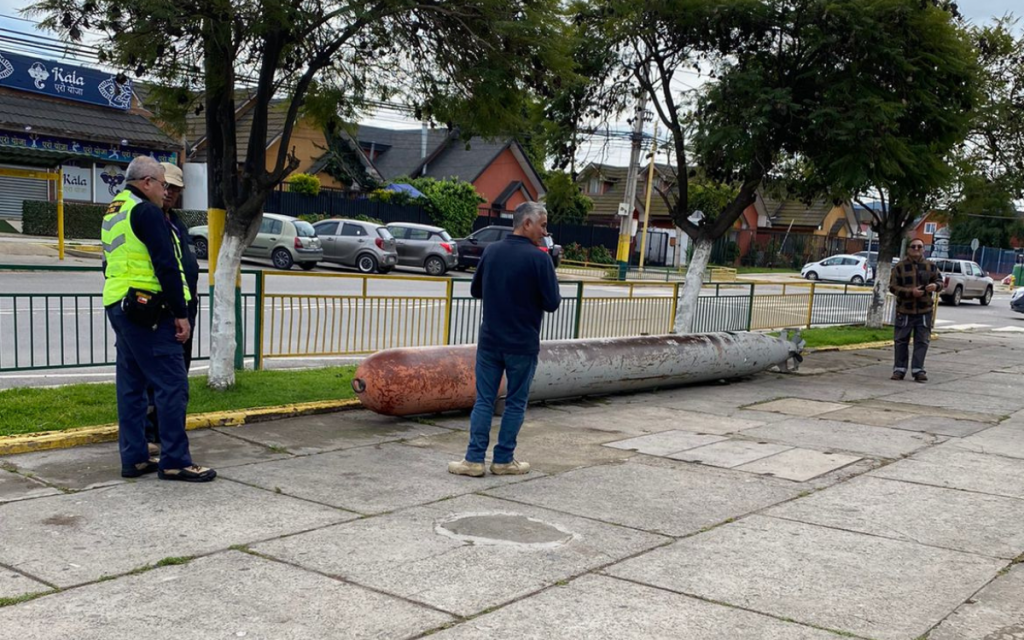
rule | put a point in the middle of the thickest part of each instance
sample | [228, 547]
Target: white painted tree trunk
[222, 328]
[686, 308]
[876, 310]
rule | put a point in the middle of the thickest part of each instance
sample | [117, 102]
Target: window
[594, 188]
[443, 235]
[851, 261]
[398, 232]
[269, 225]
[303, 229]
[956, 268]
[929, 228]
[978, 271]
[327, 229]
[488, 235]
[349, 229]
[383, 232]
[417, 234]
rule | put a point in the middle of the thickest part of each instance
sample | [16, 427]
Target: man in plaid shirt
[913, 281]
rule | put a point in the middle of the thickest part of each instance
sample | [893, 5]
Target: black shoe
[897, 375]
[920, 377]
[195, 473]
[141, 469]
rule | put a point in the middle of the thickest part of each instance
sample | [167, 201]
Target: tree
[458, 61]
[564, 200]
[891, 139]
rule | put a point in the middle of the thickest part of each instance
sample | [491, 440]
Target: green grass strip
[28, 410]
[5, 227]
[839, 336]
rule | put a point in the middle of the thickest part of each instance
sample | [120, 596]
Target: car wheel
[857, 280]
[366, 263]
[282, 259]
[307, 266]
[811, 275]
[958, 295]
[434, 266]
[987, 298]
[202, 248]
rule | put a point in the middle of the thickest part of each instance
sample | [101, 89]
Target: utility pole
[647, 203]
[629, 200]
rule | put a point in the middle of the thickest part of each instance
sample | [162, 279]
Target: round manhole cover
[504, 528]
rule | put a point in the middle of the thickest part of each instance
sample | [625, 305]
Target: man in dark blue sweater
[517, 283]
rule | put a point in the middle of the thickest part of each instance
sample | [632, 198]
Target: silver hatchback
[367, 246]
[421, 245]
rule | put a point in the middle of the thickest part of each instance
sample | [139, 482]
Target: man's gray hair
[142, 167]
[527, 211]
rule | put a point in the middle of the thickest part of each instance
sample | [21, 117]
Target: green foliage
[451, 204]
[365, 218]
[574, 252]
[601, 255]
[81, 221]
[564, 200]
[397, 197]
[313, 218]
[304, 183]
[709, 198]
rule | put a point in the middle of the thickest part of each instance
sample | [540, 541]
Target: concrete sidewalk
[826, 504]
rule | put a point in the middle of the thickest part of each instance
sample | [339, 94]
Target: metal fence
[317, 314]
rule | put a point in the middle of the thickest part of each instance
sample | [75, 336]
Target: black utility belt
[145, 308]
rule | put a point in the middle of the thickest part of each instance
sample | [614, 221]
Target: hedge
[80, 220]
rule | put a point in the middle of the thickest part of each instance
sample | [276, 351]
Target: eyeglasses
[917, 246]
[162, 183]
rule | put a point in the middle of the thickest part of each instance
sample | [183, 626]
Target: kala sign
[55, 78]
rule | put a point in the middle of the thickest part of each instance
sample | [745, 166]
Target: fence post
[449, 290]
[810, 305]
[579, 309]
[258, 320]
[750, 308]
[675, 304]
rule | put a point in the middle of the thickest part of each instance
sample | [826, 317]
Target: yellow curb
[47, 440]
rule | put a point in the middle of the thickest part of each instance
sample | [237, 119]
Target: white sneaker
[514, 468]
[466, 468]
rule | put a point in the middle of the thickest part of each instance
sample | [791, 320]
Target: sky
[614, 151]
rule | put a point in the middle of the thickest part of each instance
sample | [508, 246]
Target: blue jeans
[147, 358]
[490, 366]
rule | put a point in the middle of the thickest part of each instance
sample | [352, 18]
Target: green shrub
[574, 252]
[601, 255]
[365, 218]
[304, 183]
[313, 218]
[81, 221]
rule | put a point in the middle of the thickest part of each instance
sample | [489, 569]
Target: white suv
[963, 279]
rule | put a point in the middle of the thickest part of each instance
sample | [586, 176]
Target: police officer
[175, 180]
[146, 298]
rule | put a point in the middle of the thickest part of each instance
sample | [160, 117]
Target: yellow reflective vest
[128, 262]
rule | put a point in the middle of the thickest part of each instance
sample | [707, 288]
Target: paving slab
[665, 442]
[831, 388]
[14, 584]
[99, 465]
[957, 468]
[799, 465]
[938, 373]
[548, 447]
[331, 431]
[17, 487]
[229, 595]
[369, 479]
[959, 401]
[730, 453]
[675, 498]
[420, 554]
[72, 539]
[798, 407]
[986, 384]
[996, 613]
[833, 435]
[1005, 440]
[628, 419]
[603, 608]
[958, 520]
[941, 426]
[929, 410]
[860, 584]
[873, 416]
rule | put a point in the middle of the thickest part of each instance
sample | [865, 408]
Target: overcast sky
[614, 151]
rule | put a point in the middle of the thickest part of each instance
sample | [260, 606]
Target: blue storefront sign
[61, 80]
[110, 152]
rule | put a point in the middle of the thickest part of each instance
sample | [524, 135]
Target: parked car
[421, 245]
[963, 279]
[552, 249]
[367, 246]
[284, 240]
[471, 248]
[842, 268]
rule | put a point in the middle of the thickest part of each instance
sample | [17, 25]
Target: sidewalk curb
[48, 440]
[852, 347]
